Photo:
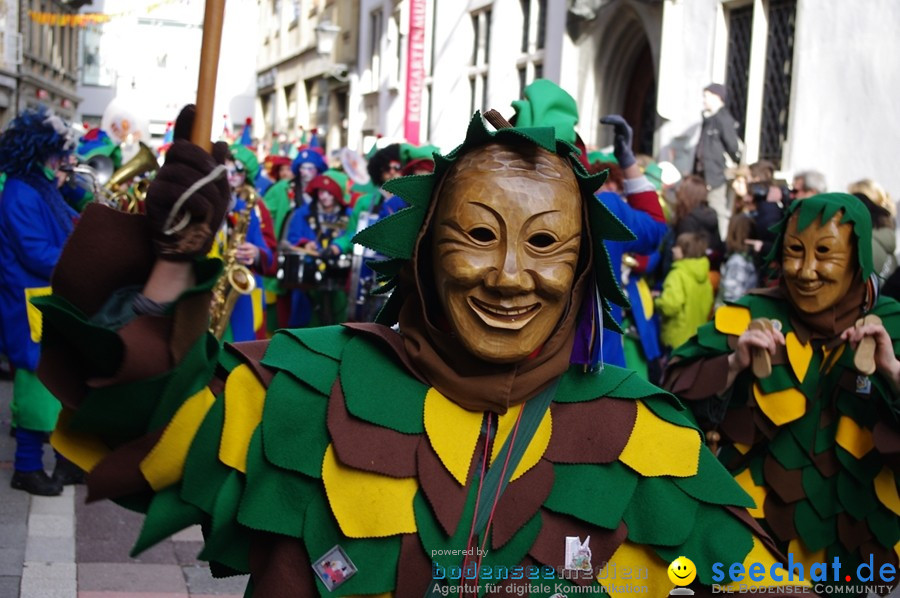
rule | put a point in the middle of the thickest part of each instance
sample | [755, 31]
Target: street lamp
[326, 35]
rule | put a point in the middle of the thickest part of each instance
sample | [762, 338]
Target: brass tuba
[142, 162]
[236, 279]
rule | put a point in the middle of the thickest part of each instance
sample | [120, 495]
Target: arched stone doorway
[624, 38]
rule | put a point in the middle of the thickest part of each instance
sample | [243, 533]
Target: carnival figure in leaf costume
[813, 437]
[378, 454]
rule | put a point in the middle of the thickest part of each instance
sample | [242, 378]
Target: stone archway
[625, 42]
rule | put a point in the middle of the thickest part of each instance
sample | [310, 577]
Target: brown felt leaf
[549, 547]
[788, 484]
[119, 473]
[369, 447]
[596, 431]
[520, 501]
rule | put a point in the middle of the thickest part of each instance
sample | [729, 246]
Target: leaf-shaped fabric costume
[335, 436]
[816, 444]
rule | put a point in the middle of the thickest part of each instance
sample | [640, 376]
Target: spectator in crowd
[693, 214]
[884, 240]
[718, 139]
[768, 202]
[686, 300]
[35, 222]
[808, 183]
[738, 273]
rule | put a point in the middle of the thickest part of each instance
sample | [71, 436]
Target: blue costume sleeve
[255, 236]
[648, 231]
[299, 226]
[26, 215]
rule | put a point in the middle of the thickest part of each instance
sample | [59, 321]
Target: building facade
[38, 58]
[795, 70]
[305, 71]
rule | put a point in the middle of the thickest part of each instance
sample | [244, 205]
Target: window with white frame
[759, 72]
[376, 26]
[534, 27]
[478, 71]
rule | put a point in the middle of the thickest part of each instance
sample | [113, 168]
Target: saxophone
[236, 278]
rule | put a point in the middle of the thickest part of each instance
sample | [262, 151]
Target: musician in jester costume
[481, 422]
[813, 437]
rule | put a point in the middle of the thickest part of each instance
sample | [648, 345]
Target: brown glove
[184, 220]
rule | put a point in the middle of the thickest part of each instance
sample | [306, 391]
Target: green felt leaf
[577, 386]
[204, 474]
[434, 539]
[885, 526]
[167, 515]
[374, 558]
[315, 369]
[414, 190]
[325, 340]
[865, 469]
[757, 471]
[606, 223]
[857, 499]
[664, 405]
[379, 390]
[119, 413]
[862, 412]
[711, 339]
[659, 513]
[598, 494]
[782, 378]
[717, 537]
[295, 434]
[821, 492]
[394, 236]
[786, 451]
[766, 307]
[227, 542]
[713, 484]
[275, 500]
[816, 532]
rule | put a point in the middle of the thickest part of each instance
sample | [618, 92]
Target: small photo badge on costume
[863, 385]
[578, 553]
[334, 568]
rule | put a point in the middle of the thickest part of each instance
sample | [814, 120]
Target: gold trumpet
[131, 200]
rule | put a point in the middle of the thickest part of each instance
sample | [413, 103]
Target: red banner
[415, 71]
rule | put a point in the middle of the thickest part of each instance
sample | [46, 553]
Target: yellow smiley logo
[682, 571]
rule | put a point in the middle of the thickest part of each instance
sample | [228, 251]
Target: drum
[297, 269]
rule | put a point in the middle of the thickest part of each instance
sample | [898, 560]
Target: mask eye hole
[482, 234]
[541, 240]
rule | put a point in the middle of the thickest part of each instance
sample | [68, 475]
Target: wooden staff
[213, 19]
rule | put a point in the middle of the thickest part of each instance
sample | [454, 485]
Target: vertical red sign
[415, 71]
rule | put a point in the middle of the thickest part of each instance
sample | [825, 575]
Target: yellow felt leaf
[646, 298]
[757, 493]
[760, 554]
[84, 450]
[855, 440]
[781, 407]
[244, 399]
[741, 447]
[33, 314]
[886, 490]
[657, 447]
[732, 319]
[366, 504]
[256, 295]
[536, 447]
[799, 355]
[453, 433]
[164, 465]
[637, 558]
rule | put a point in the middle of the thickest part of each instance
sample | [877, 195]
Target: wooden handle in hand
[213, 20]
